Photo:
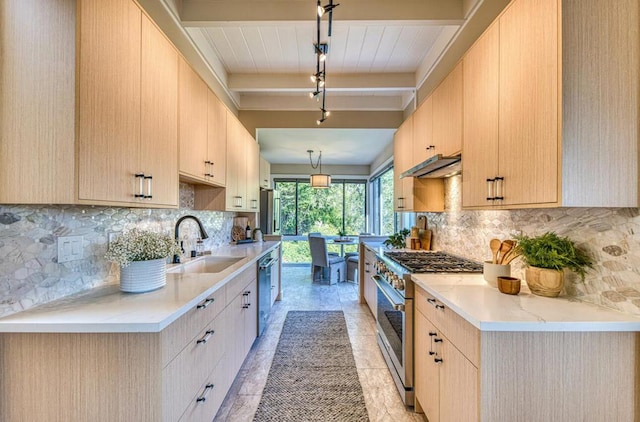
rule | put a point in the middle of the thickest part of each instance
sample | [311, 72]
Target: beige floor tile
[381, 397]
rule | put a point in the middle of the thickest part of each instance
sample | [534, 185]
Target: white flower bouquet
[141, 245]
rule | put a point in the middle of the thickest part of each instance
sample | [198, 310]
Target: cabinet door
[236, 162]
[447, 113]
[159, 115]
[275, 278]
[370, 292]
[480, 123]
[217, 140]
[108, 100]
[37, 100]
[402, 151]
[529, 89]
[250, 316]
[192, 123]
[253, 174]
[458, 386]
[423, 146]
[265, 173]
[427, 372]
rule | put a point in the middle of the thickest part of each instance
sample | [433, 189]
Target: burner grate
[434, 262]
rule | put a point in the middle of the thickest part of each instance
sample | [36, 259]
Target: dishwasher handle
[267, 264]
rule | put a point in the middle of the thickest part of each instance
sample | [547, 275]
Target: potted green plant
[546, 256]
[141, 256]
[397, 240]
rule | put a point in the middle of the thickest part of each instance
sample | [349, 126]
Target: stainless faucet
[203, 233]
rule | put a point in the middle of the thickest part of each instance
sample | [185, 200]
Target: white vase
[143, 276]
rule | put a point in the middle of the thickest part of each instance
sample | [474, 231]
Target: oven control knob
[400, 285]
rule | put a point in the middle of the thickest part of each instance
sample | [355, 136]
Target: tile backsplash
[29, 271]
[611, 236]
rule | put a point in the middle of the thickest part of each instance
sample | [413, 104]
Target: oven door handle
[397, 306]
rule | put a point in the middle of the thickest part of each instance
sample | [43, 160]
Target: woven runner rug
[313, 375]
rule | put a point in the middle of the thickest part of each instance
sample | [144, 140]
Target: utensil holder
[492, 271]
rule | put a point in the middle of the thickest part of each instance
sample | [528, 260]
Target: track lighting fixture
[326, 8]
[321, 50]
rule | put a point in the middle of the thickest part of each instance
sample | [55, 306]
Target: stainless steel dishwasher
[265, 265]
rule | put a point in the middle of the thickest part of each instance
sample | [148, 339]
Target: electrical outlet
[70, 248]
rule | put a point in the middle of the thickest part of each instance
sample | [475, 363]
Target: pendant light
[318, 180]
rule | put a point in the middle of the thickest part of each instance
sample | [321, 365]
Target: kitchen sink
[208, 264]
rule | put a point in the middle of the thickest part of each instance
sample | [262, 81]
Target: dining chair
[323, 264]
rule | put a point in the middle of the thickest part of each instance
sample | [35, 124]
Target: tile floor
[299, 293]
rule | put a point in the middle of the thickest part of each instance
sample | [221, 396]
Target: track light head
[320, 121]
[326, 8]
[314, 94]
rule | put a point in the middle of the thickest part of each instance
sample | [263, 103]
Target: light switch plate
[70, 248]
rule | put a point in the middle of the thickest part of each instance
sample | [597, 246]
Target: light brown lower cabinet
[182, 373]
[370, 290]
[463, 374]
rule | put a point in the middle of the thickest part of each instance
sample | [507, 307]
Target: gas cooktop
[434, 262]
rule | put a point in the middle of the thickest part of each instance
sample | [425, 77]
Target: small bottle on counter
[248, 232]
[199, 247]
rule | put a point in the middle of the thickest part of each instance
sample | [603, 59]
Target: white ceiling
[380, 51]
[338, 146]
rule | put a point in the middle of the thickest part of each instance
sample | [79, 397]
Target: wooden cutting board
[425, 239]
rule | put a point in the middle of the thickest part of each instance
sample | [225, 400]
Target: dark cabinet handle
[208, 301]
[206, 337]
[203, 396]
[437, 360]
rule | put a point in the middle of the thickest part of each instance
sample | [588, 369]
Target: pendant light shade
[319, 180]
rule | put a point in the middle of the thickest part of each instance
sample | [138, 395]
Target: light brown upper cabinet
[159, 116]
[217, 140]
[265, 173]
[411, 194]
[480, 136]
[447, 114]
[402, 150]
[253, 174]
[423, 146]
[567, 110]
[237, 151]
[193, 124]
[37, 102]
[125, 155]
[98, 108]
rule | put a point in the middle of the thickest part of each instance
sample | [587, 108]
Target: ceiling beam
[307, 119]
[335, 82]
[212, 12]
[335, 102]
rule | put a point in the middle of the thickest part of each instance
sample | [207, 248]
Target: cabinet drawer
[186, 373]
[210, 398]
[237, 285]
[460, 332]
[185, 328]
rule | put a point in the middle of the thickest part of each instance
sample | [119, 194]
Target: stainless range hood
[435, 167]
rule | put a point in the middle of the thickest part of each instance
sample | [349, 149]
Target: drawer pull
[246, 305]
[439, 306]
[431, 353]
[203, 396]
[431, 334]
[246, 293]
[206, 337]
[208, 301]
[437, 340]
[437, 360]
[432, 301]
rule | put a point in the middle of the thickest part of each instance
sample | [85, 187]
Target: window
[342, 207]
[382, 215]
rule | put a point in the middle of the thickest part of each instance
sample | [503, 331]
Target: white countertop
[106, 309]
[489, 310]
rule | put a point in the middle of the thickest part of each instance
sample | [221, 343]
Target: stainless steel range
[395, 306]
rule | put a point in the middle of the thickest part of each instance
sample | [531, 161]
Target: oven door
[394, 326]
